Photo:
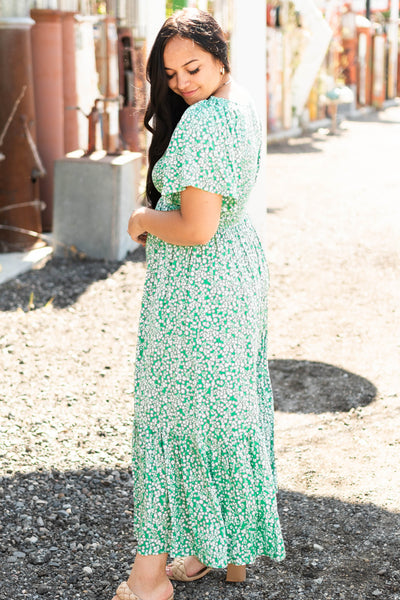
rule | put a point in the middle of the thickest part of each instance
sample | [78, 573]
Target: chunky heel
[236, 573]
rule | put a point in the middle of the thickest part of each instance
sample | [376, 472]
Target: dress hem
[212, 564]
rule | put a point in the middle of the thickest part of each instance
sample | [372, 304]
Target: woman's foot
[148, 578]
[192, 566]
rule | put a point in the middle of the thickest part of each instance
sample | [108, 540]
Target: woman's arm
[194, 223]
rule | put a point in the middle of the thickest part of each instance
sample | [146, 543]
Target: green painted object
[173, 5]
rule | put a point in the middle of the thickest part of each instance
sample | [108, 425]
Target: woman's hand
[135, 227]
[193, 224]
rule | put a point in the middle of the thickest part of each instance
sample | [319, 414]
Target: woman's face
[192, 72]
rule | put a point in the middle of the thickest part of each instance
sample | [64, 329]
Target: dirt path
[67, 343]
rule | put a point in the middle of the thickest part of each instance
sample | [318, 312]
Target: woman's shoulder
[218, 112]
[202, 119]
[202, 111]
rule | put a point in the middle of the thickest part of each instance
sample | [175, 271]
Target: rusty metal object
[71, 132]
[128, 75]
[20, 214]
[49, 99]
[93, 120]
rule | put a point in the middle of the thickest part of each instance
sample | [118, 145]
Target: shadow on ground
[308, 143]
[60, 281]
[301, 145]
[374, 117]
[312, 387]
[69, 536]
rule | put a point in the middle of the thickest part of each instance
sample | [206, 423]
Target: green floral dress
[203, 461]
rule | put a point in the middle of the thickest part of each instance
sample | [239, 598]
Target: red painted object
[19, 169]
[364, 71]
[349, 60]
[71, 135]
[49, 99]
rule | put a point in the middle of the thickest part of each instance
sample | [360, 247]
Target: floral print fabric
[203, 458]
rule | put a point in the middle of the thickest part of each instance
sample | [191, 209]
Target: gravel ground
[67, 344]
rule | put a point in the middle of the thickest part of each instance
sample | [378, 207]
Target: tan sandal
[124, 592]
[179, 573]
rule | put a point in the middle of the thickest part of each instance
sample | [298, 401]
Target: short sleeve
[202, 153]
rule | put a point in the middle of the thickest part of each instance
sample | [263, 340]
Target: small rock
[18, 554]
[87, 570]
[42, 572]
[40, 522]
[54, 563]
[40, 558]
[42, 589]
[318, 547]
[377, 593]
[12, 559]
[33, 539]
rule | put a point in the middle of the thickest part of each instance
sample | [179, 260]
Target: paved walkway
[334, 255]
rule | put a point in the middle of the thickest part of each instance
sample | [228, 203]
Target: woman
[203, 467]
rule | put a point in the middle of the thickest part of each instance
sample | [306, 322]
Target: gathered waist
[226, 224]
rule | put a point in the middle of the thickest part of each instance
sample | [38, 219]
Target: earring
[222, 71]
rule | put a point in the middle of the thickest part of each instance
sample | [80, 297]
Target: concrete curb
[13, 264]
[283, 135]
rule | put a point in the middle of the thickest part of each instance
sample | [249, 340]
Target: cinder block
[93, 199]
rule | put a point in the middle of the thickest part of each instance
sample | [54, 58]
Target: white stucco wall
[249, 68]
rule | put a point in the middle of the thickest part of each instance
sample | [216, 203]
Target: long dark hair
[165, 108]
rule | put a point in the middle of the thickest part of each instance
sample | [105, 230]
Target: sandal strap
[124, 592]
[178, 569]
[179, 572]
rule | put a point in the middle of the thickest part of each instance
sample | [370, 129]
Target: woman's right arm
[194, 223]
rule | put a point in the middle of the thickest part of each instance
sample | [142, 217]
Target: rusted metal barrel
[20, 167]
[49, 98]
[71, 136]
